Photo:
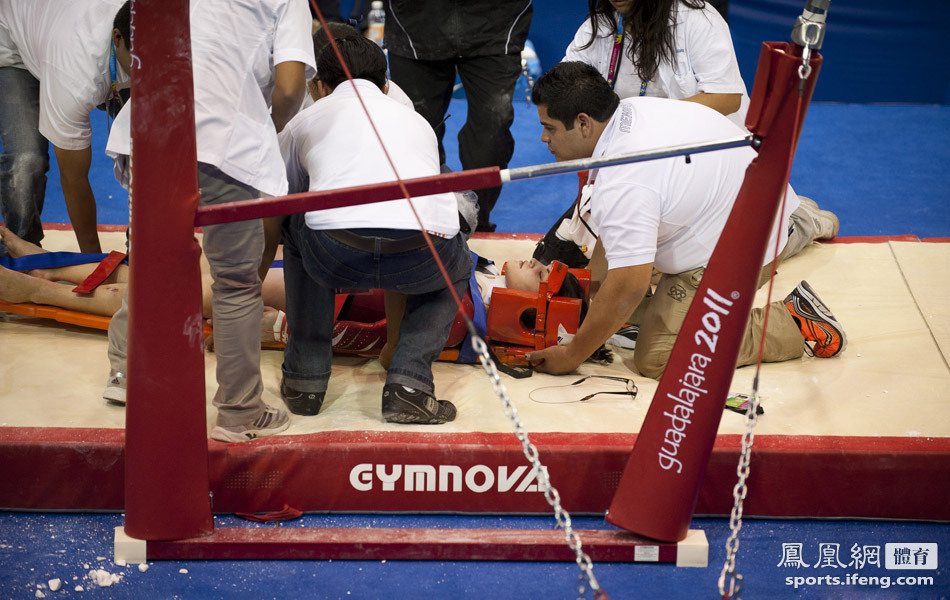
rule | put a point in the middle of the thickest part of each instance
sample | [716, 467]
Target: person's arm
[80, 201]
[726, 104]
[713, 61]
[622, 290]
[289, 87]
[597, 267]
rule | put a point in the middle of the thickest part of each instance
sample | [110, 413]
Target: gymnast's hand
[556, 360]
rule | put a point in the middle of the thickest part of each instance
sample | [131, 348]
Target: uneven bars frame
[447, 182]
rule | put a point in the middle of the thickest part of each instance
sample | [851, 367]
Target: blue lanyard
[113, 98]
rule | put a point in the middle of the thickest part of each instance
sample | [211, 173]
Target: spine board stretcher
[360, 320]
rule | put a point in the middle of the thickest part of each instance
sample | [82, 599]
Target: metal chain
[738, 494]
[563, 518]
[740, 490]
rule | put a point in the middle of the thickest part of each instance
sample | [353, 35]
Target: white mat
[893, 379]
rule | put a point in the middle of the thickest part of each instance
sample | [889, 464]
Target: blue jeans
[24, 160]
[315, 265]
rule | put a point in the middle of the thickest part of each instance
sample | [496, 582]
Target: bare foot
[14, 287]
[16, 245]
[273, 326]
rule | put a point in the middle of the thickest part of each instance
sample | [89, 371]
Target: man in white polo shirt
[54, 70]
[665, 213]
[248, 81]
[332, 145]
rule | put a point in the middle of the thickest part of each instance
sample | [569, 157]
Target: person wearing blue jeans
[332, 145]
[316, 263]
[25, 155]
[57, 65]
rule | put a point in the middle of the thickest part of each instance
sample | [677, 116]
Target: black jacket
[441, 29]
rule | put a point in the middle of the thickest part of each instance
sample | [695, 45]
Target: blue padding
[49, 260]
[467, 353]
[874, 50]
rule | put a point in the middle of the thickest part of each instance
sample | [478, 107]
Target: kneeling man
[378, 245]
[667, 214]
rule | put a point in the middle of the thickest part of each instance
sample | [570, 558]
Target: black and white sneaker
[271, 421]
[403, 404]
[301, 403]
[626, 337]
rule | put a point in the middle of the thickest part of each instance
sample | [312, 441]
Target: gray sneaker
[115, 389]
[826, 222]
[272, 420]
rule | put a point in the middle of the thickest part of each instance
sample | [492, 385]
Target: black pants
[489, 81]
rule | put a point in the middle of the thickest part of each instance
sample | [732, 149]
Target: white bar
[580, 164]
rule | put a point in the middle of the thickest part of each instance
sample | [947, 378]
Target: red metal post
[661, 481]
[166, 447]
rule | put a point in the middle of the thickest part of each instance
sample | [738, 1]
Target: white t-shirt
[705, 60]
[393, 91]
[234, 80]
[666, 211]
[333, 144]
[65, 46]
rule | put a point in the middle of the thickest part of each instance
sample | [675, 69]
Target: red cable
[768, 297]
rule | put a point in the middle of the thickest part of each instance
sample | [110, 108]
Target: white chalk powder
[103, 578]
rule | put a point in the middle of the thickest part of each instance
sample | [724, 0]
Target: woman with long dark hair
[678, 49]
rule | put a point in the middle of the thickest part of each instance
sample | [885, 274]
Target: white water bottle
[376, 22]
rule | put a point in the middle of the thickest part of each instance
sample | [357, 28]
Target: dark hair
[570, 88]
[648, 23]
[570, 288]
[123, 22]
[363, 57]
[336, 30]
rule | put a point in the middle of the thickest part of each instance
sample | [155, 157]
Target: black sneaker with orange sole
[816, 322]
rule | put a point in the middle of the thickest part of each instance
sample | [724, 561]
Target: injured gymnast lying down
[53, 287]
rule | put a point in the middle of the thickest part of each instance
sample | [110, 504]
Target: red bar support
[661, 481]
[166, 460]
[352, 543]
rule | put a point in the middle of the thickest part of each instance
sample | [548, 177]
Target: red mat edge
[79, 435]
[82, 469]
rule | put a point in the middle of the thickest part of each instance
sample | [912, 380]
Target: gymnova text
[442, 478]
